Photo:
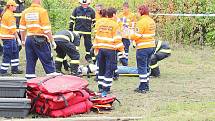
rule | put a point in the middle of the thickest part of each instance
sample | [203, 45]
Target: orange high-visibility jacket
[126, 21]
[98, 16]
[144, 33]
[108, 35]
[8, 25]
[35, 21]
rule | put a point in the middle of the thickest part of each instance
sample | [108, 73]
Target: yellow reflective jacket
[35, 21]
[144, 33]
[8, 25]
[108, 35]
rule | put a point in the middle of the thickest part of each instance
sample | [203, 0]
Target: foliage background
[185, 30]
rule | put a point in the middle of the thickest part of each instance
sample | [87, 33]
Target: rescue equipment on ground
[59, 96]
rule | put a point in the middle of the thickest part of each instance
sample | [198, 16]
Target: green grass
[184, 92]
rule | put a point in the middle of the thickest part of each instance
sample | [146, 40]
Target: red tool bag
[59, 94]
[102, 103]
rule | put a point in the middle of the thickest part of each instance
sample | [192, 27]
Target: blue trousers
[143, 57]
[10, 55]
[107, 60]
[33, 52]
[126, 43]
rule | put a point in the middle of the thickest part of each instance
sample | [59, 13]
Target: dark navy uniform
[162, 51]
[67, 44]
[82, 20]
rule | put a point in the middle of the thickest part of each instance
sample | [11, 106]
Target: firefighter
[144, 37]
[82, 20]
[67, 44]
[107, 43]
[8, 35]
[162, 51]
[1, 48]
[126, 19]
[37, 36]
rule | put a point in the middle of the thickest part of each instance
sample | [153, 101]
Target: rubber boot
[74, 70]
[58, 66]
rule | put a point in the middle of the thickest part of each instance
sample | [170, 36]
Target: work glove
[53, 45]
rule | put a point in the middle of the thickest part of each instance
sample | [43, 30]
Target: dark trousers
[1, 50]
[107, 60]
[10, 55]
[155, 71]
[34, 51]
[88, 45]
[66, 48]
[126, 43]
[143, 57]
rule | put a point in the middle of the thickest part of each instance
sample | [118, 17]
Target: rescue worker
[107, 43]
[67, 44]
[82, 20]
[8, 35]
[17, 14]
[126, 19]
[98, 7]
[144, 37]
[37, 35]
[1, 48]
[162, 51]
[18, 11]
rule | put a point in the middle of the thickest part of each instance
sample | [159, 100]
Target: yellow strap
[165, 50]
[74, 61]
[158, 45]
[59, 59]
[154, 66]
[17, 14]
[61, 37]
[80, 32]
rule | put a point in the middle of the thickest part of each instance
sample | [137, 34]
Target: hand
[53, 45]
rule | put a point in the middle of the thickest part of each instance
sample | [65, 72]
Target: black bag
[40, 40]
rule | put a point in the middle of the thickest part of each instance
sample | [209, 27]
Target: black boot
[66, 65]
[58, 66]
[74, 70]
[88, 58]
[155, 72]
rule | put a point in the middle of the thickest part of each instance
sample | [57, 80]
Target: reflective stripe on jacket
[82, 20]
[108, 35]
[35, 21]
[144, 33]
[8, 25]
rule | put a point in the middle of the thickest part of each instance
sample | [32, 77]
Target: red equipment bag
[58, 94]
[78, 108]
[54, 102]
[57, 84]
[103, 103]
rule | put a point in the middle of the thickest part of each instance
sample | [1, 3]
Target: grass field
[184, 92]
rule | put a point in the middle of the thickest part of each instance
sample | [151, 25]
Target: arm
[72, 20]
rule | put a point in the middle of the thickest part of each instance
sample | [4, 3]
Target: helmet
[85, 1]
[11, 2]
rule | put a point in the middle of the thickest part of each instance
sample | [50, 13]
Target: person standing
[107, 42]
[82, 20]
[8, 35]
[36, 33]
[144, 37]
[127, 20]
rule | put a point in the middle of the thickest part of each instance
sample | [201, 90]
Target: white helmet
[85, 1]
